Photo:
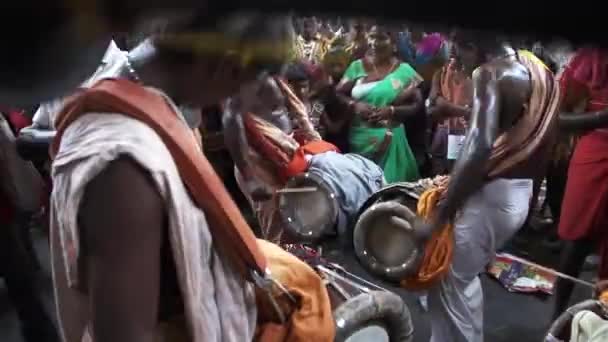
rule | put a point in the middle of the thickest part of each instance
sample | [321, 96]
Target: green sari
[398, 161]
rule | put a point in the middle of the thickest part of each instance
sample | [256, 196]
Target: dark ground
[508, 316]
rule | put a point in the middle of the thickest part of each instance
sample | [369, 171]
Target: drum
[363, 311]
[308, 216]
[374, 316]
[384, 248]
[560, 329]
[341, 184]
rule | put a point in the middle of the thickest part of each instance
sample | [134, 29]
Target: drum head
[374, 316]
[308, 216]
[385, 249]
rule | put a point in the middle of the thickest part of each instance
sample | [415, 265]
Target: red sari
[584, 212]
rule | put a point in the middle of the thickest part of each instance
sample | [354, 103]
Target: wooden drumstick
[296, 190]
[551, 271]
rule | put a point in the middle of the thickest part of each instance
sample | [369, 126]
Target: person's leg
[489, 219]
[455, 305]
[557, 175]
[572, 260]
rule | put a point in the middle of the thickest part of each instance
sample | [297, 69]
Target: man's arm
[408, 104]
[122, 237]
[235, 136]
[583, 121]
[470, 169]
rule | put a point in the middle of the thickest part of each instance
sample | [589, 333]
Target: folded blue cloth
[352, 178]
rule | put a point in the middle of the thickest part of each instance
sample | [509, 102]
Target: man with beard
[513, 121]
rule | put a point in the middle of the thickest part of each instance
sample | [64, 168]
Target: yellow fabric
[438, 250]
[312, 319]
[533, 57]
[604, 297]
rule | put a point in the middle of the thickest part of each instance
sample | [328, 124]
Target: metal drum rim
[312, 236]
[391, 188]
[370, 262]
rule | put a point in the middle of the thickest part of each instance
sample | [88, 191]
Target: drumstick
[341, 269]
[551, 271]
[348, 281]
[293, 190]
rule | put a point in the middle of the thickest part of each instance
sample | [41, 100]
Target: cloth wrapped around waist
[536, 128]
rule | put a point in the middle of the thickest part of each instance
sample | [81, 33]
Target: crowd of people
[365, 103]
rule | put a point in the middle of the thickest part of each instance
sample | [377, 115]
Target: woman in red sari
[584, 213]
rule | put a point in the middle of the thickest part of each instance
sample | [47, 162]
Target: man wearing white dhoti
[490, 189]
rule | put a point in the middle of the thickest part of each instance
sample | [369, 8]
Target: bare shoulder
[507, 74]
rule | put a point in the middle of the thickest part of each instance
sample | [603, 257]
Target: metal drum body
[308, 216]
[560, 329]
[343, 181]
[374, 316]
[383, 248]
[364, 312]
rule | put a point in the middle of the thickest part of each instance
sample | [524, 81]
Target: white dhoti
[488, 220]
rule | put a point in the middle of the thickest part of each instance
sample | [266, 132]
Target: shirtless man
[257, 177]
[124, 264]
[266, 101]
[286, 124]
[489, 191]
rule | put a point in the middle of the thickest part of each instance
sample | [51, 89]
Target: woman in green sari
[381, 93]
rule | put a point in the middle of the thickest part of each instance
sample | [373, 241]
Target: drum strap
[230, 231]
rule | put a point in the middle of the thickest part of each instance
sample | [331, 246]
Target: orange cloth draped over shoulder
[312, 317]
[230, 231]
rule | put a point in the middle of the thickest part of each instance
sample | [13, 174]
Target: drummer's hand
[403, 217]
[423, 229]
